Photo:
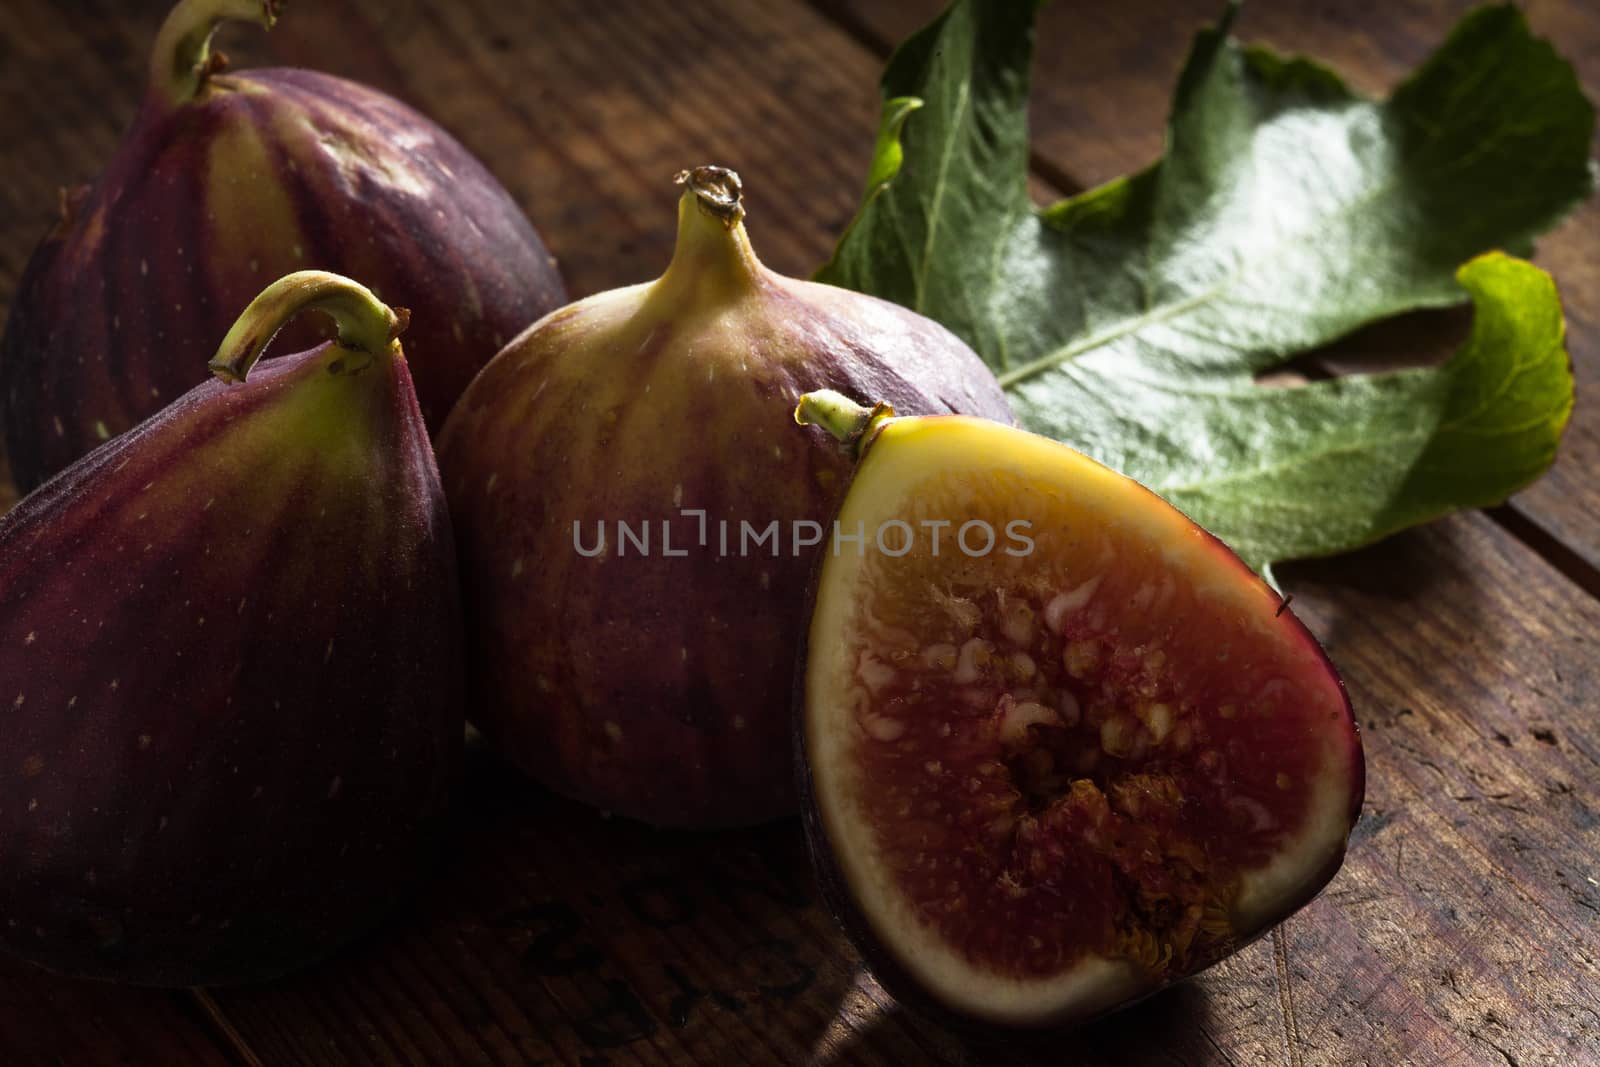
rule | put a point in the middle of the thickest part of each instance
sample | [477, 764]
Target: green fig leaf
[1131, 321]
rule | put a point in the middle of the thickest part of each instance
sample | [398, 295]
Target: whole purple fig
[225, 182]
[638, 518]
[230, 642]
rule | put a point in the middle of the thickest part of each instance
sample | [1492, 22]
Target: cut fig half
[1060, 746]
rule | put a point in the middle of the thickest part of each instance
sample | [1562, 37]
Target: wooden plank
[45, 1020]
[1100, 103]
[1468, 910]
[560, 934]
[1237, 1009]
[587, 125]
[555, 935]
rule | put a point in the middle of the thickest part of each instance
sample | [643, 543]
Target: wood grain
[1465, 928]
[52, 1022]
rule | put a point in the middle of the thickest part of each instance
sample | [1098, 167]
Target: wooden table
[1465, 927]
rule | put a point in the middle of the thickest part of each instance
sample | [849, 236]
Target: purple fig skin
[231, 647]
[657, 687]
[206, 201]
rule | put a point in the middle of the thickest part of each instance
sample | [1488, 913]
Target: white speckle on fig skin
[613, 731]
[21, 700]
[33, 636]
[334, 787]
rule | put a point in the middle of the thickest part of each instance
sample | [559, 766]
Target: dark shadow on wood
[1339, 597]
[553, 932]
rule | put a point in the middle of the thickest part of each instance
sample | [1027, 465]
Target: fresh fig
[1060, 747]
[652, 678]
[231, 646]
[225, 182]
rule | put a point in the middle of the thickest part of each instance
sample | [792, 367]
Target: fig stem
[717, 191]
[849, 422]
[712, 262]
[182, 60]
[367, 326]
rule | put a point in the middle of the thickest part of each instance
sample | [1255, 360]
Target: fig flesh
[225, 182]
[652, 678]
[1070, 754]
[231, 646]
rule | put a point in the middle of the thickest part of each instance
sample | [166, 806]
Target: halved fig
[1060, 747]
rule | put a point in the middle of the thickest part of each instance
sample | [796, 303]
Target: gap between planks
[227, 1036]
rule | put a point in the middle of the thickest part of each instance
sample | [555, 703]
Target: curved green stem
[850, 423]
[367, 326]
[182, 60]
